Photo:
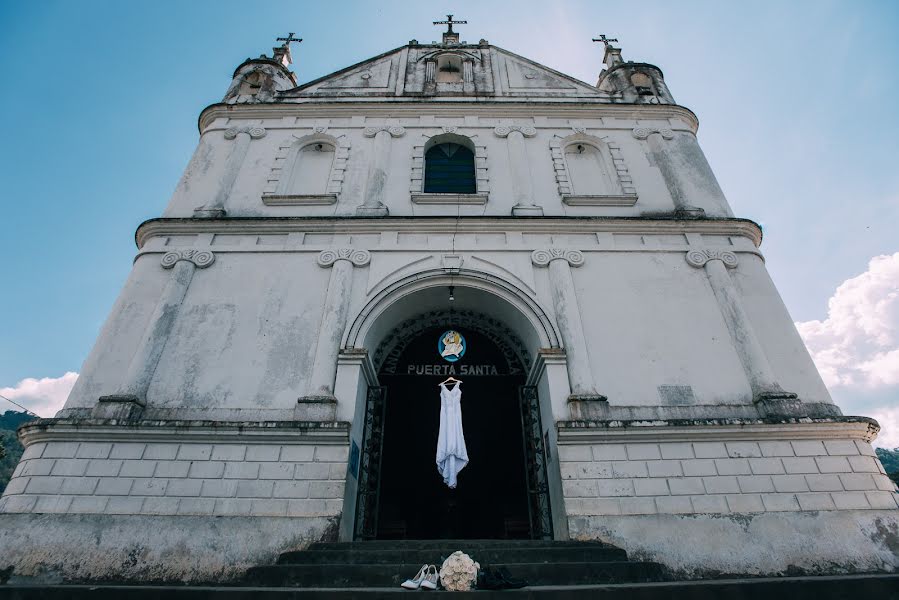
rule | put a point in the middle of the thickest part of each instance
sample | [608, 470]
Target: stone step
[464, 545]
[485, 556]
[392, 574]
[843, 587]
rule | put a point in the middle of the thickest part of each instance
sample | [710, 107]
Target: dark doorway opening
[491, 498]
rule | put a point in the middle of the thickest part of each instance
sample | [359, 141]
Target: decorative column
[373, 204]
[130, 399]
[686, 171]
[568, 318]
[770, 398]
[334, 317]
[243, 136]
[522, 190]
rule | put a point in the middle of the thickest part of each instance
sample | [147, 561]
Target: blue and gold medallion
[451, 345]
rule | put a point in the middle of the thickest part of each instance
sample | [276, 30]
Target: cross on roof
[607, 41]
[287, 40]
[449, 23]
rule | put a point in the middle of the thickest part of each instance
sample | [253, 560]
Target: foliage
[890, 461]
[10, 448]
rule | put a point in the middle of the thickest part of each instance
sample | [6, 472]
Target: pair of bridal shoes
[425, 578]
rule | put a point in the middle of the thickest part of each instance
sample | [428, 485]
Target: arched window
[590, 171]
[449, 69]
[449, 169]
[311, 170]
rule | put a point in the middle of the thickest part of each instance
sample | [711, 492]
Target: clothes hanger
[448, 379]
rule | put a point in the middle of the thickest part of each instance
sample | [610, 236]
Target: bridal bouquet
[458, 572]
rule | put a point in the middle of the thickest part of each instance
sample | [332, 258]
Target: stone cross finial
[612, 55]
[282, 53]
[602, 38]
[450, 36]
[449, 23]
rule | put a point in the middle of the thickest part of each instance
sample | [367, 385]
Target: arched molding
[539, 331]
[426, 142]
[275, 193]
[393, 345]
[463, 54]
[626, 195]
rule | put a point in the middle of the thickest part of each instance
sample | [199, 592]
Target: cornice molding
[226, 432]
[359, 225]
[412, 107]
[593, 432]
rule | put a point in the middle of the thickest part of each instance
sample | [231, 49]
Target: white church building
[268, 376]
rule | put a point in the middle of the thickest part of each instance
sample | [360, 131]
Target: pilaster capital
[641, 133]
[504, 130]
[543, 257]
[699, 258]
[359, 258]
[394, 130]
[200, 258]
[254, 131]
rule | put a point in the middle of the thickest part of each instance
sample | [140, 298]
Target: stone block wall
[718, 477]
[179, 478]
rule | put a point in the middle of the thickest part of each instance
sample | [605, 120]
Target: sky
[796, 102]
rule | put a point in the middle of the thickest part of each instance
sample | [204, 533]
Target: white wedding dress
[452, 456]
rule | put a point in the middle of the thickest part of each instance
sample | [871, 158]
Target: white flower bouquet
[458, 572]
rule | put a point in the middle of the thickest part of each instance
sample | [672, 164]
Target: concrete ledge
[74, 430]
[299, 199]
[701, 430]
[44, 548]
[694, 546]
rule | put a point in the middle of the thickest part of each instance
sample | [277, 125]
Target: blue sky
[796, 102]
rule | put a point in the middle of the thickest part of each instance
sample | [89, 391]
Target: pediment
[373, 77]
[491, 71]
[522, 76]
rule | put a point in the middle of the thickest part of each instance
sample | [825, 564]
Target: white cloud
[43, 396]
[856, 348]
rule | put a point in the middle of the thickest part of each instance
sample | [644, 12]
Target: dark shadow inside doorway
[490, 500]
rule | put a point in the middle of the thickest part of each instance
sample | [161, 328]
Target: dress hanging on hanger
[452, 456]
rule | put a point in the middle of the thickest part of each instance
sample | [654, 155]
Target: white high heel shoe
[430, 580]
[416, 582]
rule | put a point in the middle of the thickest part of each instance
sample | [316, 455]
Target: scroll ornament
[641, 133]
[393, 130]
[698, 258]
[504, 130]
[359, 258]
[543, 257]
[200, 258]
[254, 132]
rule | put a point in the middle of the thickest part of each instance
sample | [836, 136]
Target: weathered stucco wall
[765, 504]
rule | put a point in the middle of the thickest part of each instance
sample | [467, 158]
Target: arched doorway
[502, 493]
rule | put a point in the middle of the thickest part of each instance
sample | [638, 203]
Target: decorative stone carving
[359, 258]
[255, 131]
[275, 185]
[580, 130]
[200, 258]
[698, 258]
[394, 130]
[641, 133]
[543, 257]
[504, 130]
[449, 129]
[557, 145]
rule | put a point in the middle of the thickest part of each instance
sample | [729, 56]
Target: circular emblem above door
[451, 345]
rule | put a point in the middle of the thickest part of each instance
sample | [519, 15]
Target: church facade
[334, 250]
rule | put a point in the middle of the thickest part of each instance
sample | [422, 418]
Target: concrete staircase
[564, 570]
[389, 563]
